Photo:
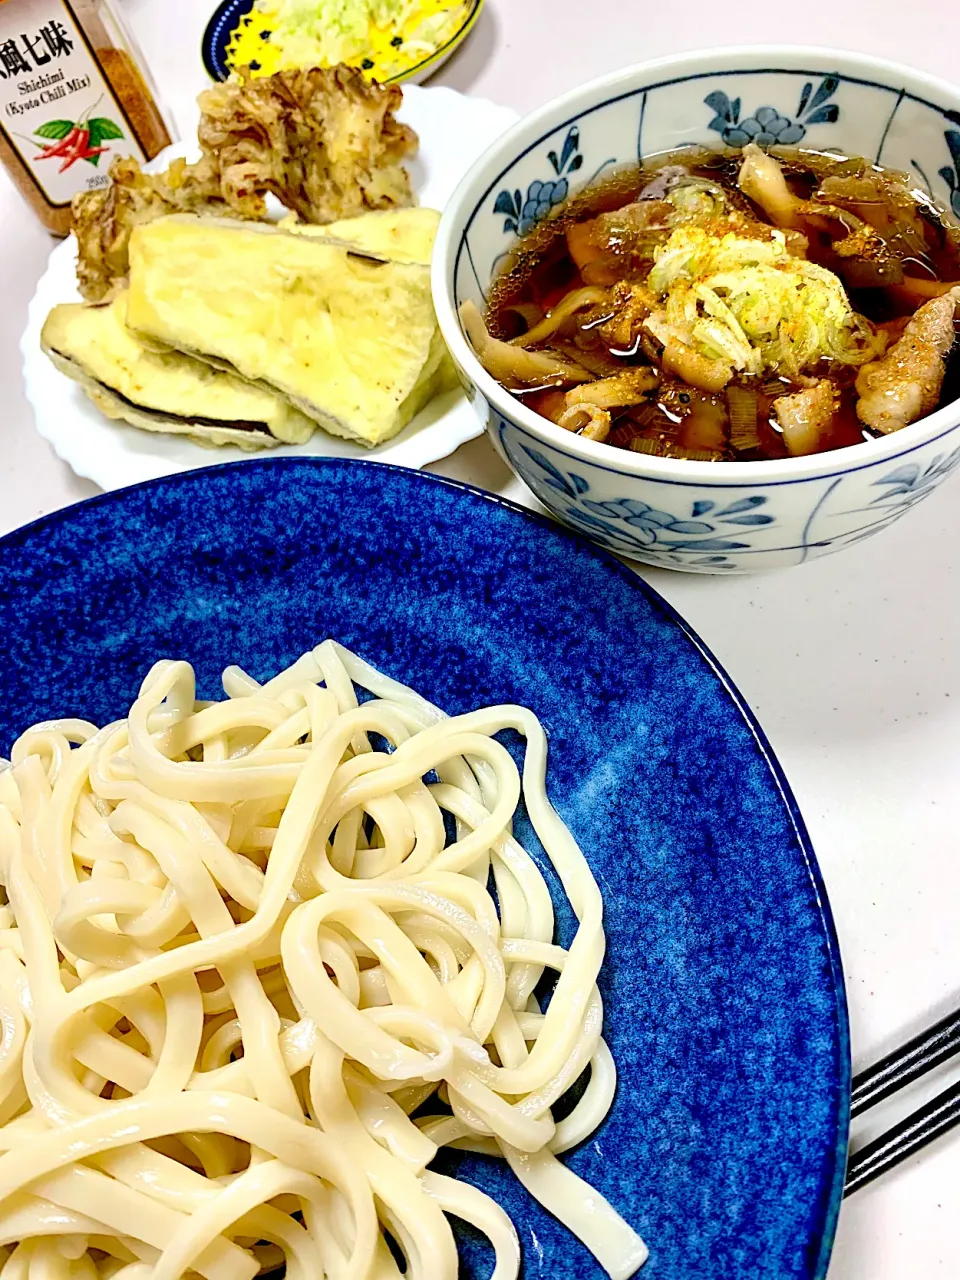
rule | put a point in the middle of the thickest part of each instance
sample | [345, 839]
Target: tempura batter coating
[325, 142]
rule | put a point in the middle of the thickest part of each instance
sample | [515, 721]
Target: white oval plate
[454, 130]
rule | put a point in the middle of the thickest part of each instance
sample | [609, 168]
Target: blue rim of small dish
[223, 23]
[297, 481]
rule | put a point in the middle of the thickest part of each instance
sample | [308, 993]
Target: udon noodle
[244, 943]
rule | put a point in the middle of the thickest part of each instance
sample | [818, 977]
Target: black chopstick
[916, 1058]
[906, 1064]
[904, 1139]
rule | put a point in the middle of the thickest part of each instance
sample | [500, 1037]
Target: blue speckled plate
[723, 990]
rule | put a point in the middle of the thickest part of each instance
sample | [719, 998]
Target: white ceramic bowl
[703, 517]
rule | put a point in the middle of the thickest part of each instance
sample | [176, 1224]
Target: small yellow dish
[268, 39]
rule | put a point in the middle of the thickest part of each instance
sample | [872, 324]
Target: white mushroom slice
[761, 178]
[587, 420]
[513, 366]
[616, 392]
[805, 416]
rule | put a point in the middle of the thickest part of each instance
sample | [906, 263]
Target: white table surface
[851, 663]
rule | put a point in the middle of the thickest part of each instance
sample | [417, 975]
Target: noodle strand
[254, 974]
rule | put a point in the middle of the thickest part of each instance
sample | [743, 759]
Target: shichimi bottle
[73, 96]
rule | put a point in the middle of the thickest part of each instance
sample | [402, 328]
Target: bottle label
[57, 109]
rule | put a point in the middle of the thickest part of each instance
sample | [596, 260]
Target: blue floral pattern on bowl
[951, 173]
[634, 527]
[769, 127]
[542, 196]
[734, 530]
[900, 490]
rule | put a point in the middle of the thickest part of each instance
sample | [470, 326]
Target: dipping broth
[732, 306]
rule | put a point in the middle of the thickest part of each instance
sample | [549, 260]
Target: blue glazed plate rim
[215, 35]
[213, 46]
[613, 565]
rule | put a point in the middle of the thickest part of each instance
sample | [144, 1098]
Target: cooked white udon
[241, 950]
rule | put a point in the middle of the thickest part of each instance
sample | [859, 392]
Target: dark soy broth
[680, 420]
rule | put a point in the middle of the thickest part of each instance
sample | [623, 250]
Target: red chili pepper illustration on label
[60, 148]
[70, 141]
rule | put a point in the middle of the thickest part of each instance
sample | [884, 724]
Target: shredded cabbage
[325, 32]
[749, 303]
